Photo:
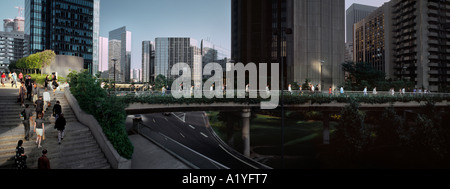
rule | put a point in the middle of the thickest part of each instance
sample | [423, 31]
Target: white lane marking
[206, 136]
[191, 126]
[154, 120]
[182, 135]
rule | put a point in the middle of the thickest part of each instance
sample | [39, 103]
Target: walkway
[78, 150]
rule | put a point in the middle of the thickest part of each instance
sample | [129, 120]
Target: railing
[288, 93]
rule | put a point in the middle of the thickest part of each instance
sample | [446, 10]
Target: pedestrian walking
[20, 160]
[39, 128]
[39, 106]
[55, 84]
[22, 92]
[35, 92]
[47, 99]
[57, 110]
[365, 91]
[29, 86]
[20, 77]
[43, 161]
[375, 91]
[60, 125]
[14, 80]
[342, 90]
[3, 79]
[27, 115]
[330, 91]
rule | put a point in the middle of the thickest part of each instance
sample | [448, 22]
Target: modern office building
[148, 61]
[372, 41]
[96, 35]
[422, 43]
[137, 75]
[172, 50]
[103, 54]
[311, 44]
[114, 59]
[121, 37]
[65, 26]
[214, 53]
[354, 14]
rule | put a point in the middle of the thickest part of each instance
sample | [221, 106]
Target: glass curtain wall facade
[124, 55]
[148, 61]
[64, 26]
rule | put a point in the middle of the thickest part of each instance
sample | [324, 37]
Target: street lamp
[322, 62]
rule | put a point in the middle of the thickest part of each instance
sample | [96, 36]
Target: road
[189, 137]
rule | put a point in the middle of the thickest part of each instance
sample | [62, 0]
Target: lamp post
[322, 62]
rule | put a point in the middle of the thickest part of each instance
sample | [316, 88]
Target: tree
[359, 72]
[46, 57]
[160, 81]
[352, 135]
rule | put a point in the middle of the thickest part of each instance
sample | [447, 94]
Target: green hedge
[288, 99]
[109, 111]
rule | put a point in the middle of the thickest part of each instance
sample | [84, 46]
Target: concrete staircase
[78, 150]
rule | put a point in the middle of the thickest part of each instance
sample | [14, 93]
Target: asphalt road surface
[188, 136]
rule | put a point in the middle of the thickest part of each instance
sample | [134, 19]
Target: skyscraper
[103, 54]
[372, 40]
[311, 44]
[124, 55]
[354, 14]
[172, 50]
[66, 27]
[148, 61]
[421, 46]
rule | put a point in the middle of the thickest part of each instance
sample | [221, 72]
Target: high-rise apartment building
[421, 49]
[311, 45]
[148, 61]
[120, 37]
[172, 50]
[11, 47]
[65, 26]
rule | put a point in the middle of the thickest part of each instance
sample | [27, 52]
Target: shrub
[109, 111]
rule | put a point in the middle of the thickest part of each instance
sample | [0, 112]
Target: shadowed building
[312, 48]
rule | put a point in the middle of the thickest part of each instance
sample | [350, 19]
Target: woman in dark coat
[20, 158]
[60, 125]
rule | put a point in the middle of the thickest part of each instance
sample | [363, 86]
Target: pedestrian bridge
[325, 103]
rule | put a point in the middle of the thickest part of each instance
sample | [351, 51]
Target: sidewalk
[147, 155]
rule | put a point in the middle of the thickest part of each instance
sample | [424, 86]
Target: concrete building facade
[311, 44]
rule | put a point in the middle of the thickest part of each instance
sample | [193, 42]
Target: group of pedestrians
[12, 78]
[41, 104]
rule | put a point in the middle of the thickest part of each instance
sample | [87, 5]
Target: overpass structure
[246, 109]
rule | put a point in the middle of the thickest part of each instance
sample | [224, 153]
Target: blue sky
[148, 19]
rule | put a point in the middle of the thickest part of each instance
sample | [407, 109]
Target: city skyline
[147, 20]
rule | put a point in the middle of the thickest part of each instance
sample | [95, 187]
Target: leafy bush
[109, 111]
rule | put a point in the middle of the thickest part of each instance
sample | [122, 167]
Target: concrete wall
[64, 65]
[116, 161]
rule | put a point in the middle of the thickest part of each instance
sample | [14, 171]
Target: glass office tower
[65, 26]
